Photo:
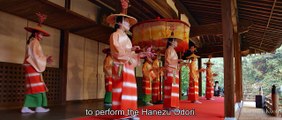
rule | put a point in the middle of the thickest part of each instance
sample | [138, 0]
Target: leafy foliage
[262, 70]
[258, 70]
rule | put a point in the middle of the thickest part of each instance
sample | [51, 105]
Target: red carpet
[208, 110]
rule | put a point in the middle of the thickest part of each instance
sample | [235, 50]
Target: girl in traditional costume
[124, 92]
[34, 64]
[210, 80]
[148, 76]
[156, 84]
[171, 83]
[193, 90]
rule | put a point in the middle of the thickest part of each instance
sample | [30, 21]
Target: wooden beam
[258, 48]
[196, 41]
[208, 3]
[268, 22]
[162, 8]
[248, 5]
[255, 4]
[200, 77]
[252, 11]
[237, 52]
[216, 28]
[241, 76]
[238, 68]
[63, 64]
[184, 10]
[63, 60]
[104, 5]
[67, 4]
[204, 12]
[146, 10]
[253, 40]
[134, 10]
[227, 28]
[204, 6]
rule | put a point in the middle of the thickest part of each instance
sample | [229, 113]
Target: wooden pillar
[227, 29]
[67, 4]
[241, 78]
[275, 101]
[63, 63]
[238, 67]
[200, 77]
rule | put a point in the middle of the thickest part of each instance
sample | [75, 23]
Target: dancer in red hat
[171, 83]
[210, 80]
[193, 90]
[34, 64]
[156, 84]
[148, 76]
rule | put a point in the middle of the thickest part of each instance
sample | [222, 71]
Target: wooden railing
[280, 107]
[272, 102]
[268, 104]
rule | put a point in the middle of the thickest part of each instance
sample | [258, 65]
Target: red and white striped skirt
[124, 93]
[146, 85]
[33, 80]
[108, 83]
[193, 92]
[171, 91]
[156, 96]
[209, 89]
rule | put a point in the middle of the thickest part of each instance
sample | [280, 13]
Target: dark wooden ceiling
[204, 11]
[264, 34]
[140, 9]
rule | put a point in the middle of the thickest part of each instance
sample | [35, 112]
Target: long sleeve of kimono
[171, 58]
[193, 71]
[121, 54]
[156, 66]
[36, 57]
[148, 71]
[145, 70]
[209, 74]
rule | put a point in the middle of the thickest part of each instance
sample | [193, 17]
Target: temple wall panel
[13, 40]
[58, 2]
[85, 8]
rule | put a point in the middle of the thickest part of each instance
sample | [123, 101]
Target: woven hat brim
[209, 63]
[37, 29]
[111, 19]
[193, 56]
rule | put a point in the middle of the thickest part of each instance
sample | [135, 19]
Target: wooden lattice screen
[12, 85]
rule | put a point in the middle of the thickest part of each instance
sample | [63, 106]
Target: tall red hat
[38, 28]
[209, 62]
[111, 19]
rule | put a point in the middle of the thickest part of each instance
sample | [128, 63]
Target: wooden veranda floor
[250, 112]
